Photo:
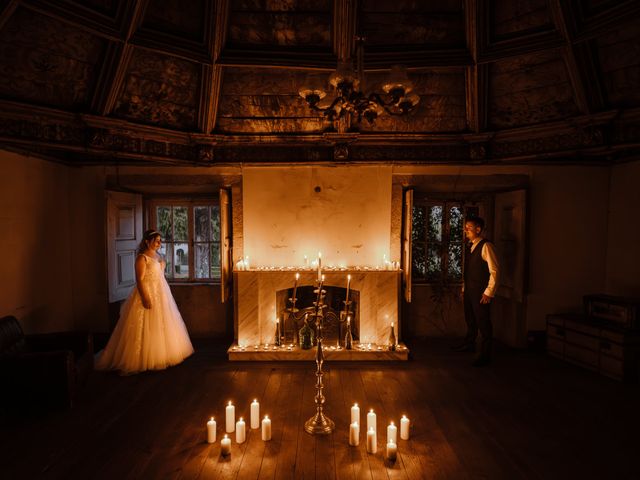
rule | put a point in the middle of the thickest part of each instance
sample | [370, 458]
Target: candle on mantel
[241, 433]
[211, 431]
[354, 434]
[404, 427]
[355, 414]
[371, 420]
[230, 417]
[266, 428]
[225, 446]
[348, 285]
[392, 451]
[392, 433]
[295, 285]
[372, 443]
[255, 414]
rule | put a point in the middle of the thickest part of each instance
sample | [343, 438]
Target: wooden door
[124, 233]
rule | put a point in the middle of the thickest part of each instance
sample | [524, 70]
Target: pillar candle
[404, 428]
[355, 414]
[392, 451]
[230, 418]
[392, 433]
[241, 434]
[225, 446]
[371, 420]
[372, 443]
[266, 428]
[354, 434]
[211, 431]
[255, 414]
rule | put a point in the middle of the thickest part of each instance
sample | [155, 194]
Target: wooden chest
[606, 349]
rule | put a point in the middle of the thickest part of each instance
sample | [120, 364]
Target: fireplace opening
[335, 324]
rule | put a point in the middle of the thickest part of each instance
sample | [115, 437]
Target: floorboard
[527, 416]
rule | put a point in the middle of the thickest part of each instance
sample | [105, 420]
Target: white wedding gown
[147, 339]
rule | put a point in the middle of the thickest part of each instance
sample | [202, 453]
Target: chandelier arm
[327, 108]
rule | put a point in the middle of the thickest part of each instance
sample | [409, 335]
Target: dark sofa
[42, 370]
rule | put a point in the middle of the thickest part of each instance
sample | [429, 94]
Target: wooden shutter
[226, 277]
[124, 233]
[407, 212]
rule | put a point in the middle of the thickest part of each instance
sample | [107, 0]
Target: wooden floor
[526, 416]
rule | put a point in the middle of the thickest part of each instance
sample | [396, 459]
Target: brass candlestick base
[319, 424]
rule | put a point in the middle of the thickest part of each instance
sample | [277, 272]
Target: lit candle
[348, 285]
[355, 414]
[246, 263]
[372, 446]
[371, 420]
[225, 446]
[392, 433]
[404, 428]
[241, 433]
[255, 414]
[266, 428]
[230, 418]
[392, 451]
[295, 285]
[319, 266]
[211, 431]
[354, 434]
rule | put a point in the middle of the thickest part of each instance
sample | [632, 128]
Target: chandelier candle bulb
[392, 451]
[230, 417]
[354, 434]
[404, 428]
[371, 420]
[211, 431]
[392, 433]
[255, 414]
[372, 442]
[348, 285]
[266, 428]
[225, 446]
[355, 414]
[241, 433]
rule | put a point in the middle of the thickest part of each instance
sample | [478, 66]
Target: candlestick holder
[319, 424]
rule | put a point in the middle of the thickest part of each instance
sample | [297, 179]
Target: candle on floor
[392, 433]
[392, 451]
[371, 420]
[355, 414]
[404, 428]
[211, 431]
[230, 417]
[372, 443]
[354, 434]
[241, 433]
[255, 414]
[266, 428]
[225, 446]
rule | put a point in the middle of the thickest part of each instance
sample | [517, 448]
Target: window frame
[154, 201]
[446, 203]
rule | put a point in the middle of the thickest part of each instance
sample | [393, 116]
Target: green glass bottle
[306, 335]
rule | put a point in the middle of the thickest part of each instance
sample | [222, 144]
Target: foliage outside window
[438, 241]
[190, 238]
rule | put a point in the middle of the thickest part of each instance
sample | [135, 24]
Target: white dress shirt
[488, 254]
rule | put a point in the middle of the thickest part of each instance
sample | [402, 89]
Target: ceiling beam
[476, 75]
[344, 28]
[580, 62]
[7, 11]
[116, 61]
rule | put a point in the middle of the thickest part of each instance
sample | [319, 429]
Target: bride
[150, 334]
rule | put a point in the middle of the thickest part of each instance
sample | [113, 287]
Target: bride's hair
[147, 238]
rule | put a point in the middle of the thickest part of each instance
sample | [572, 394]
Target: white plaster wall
[348, 220]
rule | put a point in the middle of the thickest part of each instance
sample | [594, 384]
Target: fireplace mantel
[255, 301]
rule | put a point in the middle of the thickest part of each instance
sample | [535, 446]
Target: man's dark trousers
[476, 314]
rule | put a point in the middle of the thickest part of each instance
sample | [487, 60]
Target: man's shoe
[481, 362]
[465, 347]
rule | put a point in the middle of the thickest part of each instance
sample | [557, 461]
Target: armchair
[42, 370]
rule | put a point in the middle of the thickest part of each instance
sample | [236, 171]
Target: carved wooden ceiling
[210, 81]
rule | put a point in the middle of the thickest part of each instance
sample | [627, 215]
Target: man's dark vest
[476, 270]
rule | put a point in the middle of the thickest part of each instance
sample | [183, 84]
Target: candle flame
[404, 416]
[371, 411]
[323, 277]
[266, 417]
[225, 435]
[297, 276]
[391, 423]
[349, 277]
[319, 255]
[230, 403]
[255, 400]
[355, 404]
[241, 419]
[211, 420]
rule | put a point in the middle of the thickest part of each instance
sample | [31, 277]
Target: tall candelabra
[319, 424]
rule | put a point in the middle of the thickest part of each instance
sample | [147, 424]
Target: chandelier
[351, 100]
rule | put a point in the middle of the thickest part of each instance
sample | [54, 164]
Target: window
[190, 238]
[438, 240]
